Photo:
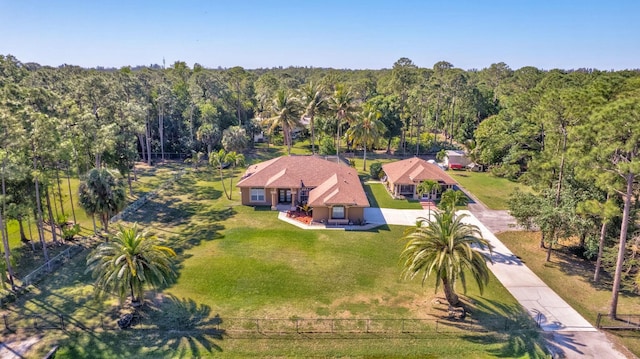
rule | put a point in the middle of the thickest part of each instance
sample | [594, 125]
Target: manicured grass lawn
[379, 197]
[493, 191]
[242, 262]
[571, 278]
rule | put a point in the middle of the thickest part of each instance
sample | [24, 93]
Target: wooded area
[573, 136]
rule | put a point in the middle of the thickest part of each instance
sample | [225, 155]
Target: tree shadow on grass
[508, 324]
[185, 326]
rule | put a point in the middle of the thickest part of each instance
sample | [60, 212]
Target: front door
[284, 196]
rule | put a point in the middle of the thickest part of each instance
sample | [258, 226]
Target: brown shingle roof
[334, 183]
[415, 170]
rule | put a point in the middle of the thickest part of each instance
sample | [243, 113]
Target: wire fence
[261, 327]
[84, 242]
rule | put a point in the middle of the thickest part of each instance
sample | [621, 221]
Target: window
[304, 194]
[257, 195]
[337, 212]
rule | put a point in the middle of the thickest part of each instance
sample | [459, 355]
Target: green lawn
[242, 262]
[571, 279]
[380, 197]
[493, 191]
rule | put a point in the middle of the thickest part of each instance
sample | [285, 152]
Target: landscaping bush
[327, 147]
[375, 170]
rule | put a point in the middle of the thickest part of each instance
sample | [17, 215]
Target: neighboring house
[403, 177]
[456, 160]
[333, 190]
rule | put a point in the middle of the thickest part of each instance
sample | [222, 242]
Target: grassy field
[241, 262]
[379, 197]
[493, 191]
[571, 279]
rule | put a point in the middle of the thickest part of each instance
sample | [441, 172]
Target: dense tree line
[571, 135]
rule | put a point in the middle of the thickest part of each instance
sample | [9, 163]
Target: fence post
[402, 326]
[368, 321]
[6, 323]
[258, 325]
[598, 320]
[297, 326]
[61, 321]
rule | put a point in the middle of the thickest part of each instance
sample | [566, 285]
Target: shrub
[511, 172]
[375, 170]
[326, 146]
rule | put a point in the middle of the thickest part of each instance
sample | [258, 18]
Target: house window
[304, 194]
[257, 195]
[337, 212]
[406, 189]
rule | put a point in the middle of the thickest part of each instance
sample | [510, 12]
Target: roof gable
[415, 170]
[332, 183]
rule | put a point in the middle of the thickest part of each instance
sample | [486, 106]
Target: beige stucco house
[333, 190]
[403, 177]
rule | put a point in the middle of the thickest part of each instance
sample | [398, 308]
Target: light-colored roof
[415, 170]
[332, 183]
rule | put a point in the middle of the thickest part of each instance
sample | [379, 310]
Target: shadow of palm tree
[186, 327]
[510, 323]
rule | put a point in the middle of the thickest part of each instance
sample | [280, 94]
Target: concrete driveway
[572, 336]
[401, 217]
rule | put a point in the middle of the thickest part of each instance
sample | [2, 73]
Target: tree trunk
[73, 210]
[105, 221]
[52, 223]
[364, 165]
[603, 232]
[161, 132]
[39, 219]
[23, 236]
[626, 214]
[550, 245]
[450, 293]
[142, 149]
[60, 191]
[222, 181]
[542, 238]
[7, 252]
[148, 138]
[313, 135]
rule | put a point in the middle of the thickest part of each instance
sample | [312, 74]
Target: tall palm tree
[367, 131]
[102, 193]
[219, 160]
[128, 263]
[343, 104]
[448, 249]
[286, 110]
[234, 159]
[313, 101]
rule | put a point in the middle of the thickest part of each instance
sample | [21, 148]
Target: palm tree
[128, 263]
[219, 160]
[428, 186]
[452, 198]
[235, 159]
[287, 116]
[313, 101]
[447, 248]
[103, 194]
[343, 104]
[367, 130]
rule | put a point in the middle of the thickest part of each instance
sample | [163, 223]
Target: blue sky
[331, 33]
